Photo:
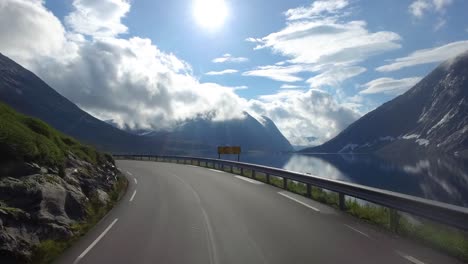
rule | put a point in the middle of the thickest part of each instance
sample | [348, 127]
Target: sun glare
[210, 14]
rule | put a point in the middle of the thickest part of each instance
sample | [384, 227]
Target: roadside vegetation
[27, 139]
[24, 138]
[446, 239]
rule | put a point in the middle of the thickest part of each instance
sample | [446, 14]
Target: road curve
[180, 214]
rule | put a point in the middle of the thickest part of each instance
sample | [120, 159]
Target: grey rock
[42, 205]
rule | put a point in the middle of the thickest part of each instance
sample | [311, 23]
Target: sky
[313, 67]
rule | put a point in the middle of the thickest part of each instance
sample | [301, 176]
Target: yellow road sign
[229, 150]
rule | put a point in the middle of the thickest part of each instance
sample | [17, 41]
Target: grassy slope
[28, 139]
[24, 138]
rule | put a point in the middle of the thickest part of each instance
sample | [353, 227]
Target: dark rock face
[41, 206]
[430, 117]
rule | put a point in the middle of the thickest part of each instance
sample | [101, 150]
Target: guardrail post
[285, 183]
[232, 168]
[394, 220]
[341, 201]
[267, 176]
[242, 171]
[309, 190]
[253, 174]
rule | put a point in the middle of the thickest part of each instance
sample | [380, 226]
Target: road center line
[356, 230]
[134, 179]
[133, 196]
[129, 173]
[248, 180]
[217, 171]
[95, 242]
[410, 258]
[297, 201]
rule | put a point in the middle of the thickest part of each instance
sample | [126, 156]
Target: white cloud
[424, 56]
[420, 7]
[440, 24]
[289, 86]
[223, 72]
[315, 9]
[301, 114]
[133, 82]
[322, 44]
[128, 80]
[37, 34]
[98, 18]
[277, 73]
[441, 5]
[327, 40]
[229, 58]
[389, 85]
[240, 87]
[334, 76]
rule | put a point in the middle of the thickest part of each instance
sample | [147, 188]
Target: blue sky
[311, 66]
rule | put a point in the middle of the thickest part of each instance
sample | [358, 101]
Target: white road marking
[248, 180]
[410, 258]
[134, 179]
[208, 229]
[217, 171]
[95, 242]
[133, 196]
[129, 173]
[360, 232]
[297, 201]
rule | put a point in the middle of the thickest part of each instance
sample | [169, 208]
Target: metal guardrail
[444, 213]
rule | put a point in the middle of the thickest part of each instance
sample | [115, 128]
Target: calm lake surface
[442, 179]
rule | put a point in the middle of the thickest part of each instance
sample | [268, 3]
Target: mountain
[204, 134]
[28, 94]
[430, 117]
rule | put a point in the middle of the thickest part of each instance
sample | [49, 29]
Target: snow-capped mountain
[430, 117]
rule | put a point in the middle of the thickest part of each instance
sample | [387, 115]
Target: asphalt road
[180, 214]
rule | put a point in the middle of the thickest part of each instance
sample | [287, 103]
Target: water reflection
[315, 166]
[441, 178]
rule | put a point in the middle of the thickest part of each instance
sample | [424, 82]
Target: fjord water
[440, 178]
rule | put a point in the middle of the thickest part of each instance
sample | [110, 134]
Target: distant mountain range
[252, 134]
[430, 117]
[28, 94]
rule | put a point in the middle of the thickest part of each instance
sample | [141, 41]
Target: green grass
[451, 241]
[276, 181]
[28, 139]
[260, 176]
[248, 173]
[49, 250]
[297, 187]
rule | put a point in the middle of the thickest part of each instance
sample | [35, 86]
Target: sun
[210, 14]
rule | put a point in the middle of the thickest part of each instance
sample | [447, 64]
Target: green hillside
[28, 139]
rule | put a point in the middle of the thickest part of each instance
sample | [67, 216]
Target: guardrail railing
[454, 216]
